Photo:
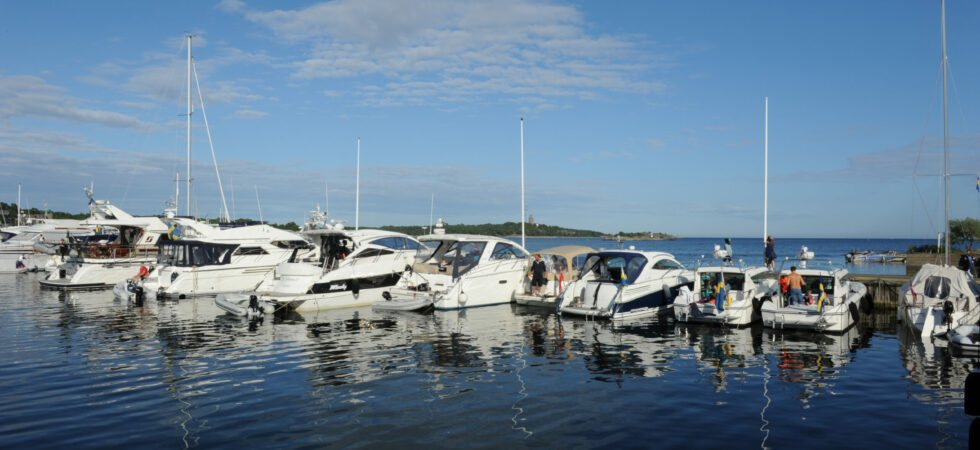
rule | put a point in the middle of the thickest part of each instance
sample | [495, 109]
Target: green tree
[964, 231]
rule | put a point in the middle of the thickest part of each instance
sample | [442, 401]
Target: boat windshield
[709, 280]
[461, 256]
[194, 253]
[611, 266]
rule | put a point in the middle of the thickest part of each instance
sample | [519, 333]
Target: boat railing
[109, 251]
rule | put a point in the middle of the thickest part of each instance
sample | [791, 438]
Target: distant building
[530, 219]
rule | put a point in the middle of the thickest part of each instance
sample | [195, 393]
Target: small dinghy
[965, 338]
[130, 291]
[405, 303]
[244, 305]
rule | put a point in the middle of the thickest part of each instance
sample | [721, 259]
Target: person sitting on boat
[796, 283]
[20, 262]
[770, 253]
[537, 275]
[728, 249]
[144, 272]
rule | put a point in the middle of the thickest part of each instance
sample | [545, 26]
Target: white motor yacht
[832, 302]
[563, 264]
[939, 299]
[456, 271]
[354, 268]
[98, 264]
[621, 284]
[734, 302]
[33, 245]
[200, 259]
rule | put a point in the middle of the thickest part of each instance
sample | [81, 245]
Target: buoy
[971, 395]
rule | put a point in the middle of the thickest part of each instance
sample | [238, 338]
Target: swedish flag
[823, 295]
[173, 233]
[978, 184]
[622, 277]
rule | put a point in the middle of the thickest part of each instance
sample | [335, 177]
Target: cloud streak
[459, 51]
[26, 95]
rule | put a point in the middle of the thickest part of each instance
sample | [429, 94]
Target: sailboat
[939, 299]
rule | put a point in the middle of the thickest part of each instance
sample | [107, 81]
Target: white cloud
[456, 51]
[250, 114]
[25, 95]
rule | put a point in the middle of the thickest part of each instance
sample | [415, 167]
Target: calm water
[83, 370]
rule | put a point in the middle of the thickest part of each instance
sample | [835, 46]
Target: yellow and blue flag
[622, 277]
[173, 233]
[978, 184]
[823, 295]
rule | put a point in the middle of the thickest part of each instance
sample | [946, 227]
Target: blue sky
[638, 115]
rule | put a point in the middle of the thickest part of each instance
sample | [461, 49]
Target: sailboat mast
[432, 208]
[188, 125]
[945, 136]
[522, 183]
[765, 179]
[357, 187]
[18, 204]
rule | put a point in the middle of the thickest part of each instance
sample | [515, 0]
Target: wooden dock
[884, 289]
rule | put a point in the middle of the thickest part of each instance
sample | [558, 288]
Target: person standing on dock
[770, 253]
[795, 287]
[536, 273]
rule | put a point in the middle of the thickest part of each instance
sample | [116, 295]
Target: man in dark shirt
[537, 275]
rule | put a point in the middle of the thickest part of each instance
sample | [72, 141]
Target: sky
[638, 115]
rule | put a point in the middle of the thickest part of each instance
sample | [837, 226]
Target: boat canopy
[565, 258]
[942, 283]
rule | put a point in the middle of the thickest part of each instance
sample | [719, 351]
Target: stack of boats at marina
[33, 246]
[352, 268]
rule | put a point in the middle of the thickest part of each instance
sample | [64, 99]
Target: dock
[884, 289]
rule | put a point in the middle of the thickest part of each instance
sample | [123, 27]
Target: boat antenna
[257, 202]
[189, 112]
[214, 159]
[357, 187]
[945, 136]
[326, 196]
[18, 204]
[522, 182]
[432, 208]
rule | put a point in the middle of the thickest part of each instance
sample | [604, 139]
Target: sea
[82, 370]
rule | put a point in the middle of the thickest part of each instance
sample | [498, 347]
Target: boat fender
[463, 298]
[866, 304]
[971, 395]
[408, 268]
[853, 308]
[355, 286]
[386, 295]
[948, 312]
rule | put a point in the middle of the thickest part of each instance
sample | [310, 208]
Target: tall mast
[357, 187]
[18, 204]
[765, 179]
[522, 182]
[188, 125]
[432, 208]
[945, 136]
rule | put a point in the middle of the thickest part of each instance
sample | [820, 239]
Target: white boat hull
[95, 274]
[832, 319]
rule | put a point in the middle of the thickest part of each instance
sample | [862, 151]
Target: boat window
[667, 264]
[709, 281]
[578, 262]
[464, 256]
[291, 244]
[396, 243]
[812, 284]
[503, 250]
[610, 267]
[412, 244]
[194, 253]
[251, 251]
[937, 287]
[372, 252]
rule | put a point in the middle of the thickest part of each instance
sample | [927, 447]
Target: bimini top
[567, 251]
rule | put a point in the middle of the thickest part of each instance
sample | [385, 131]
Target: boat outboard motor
[253, 307]
[138, 295]
[948, 314]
